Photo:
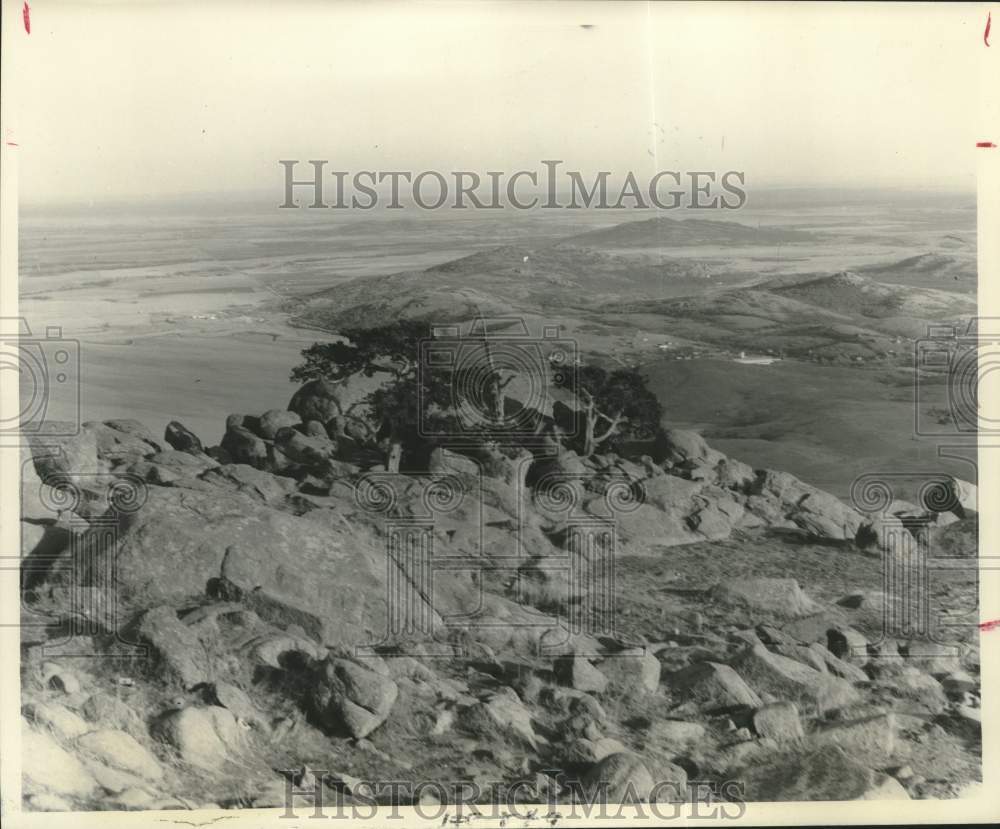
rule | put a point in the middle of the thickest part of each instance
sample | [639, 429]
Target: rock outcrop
[280, 597]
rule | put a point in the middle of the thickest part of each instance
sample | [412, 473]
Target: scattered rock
[779, 722]
[584, 752]
[57, 718]
[112, 780]
[246, 480]
[179, 437]
[318, 400]
[353, 695]
[274, 649]
[133, 798]
[679, 735]
[964, 497]
[713, 686]
[48, 802]
[243, 446]
[811, 509]
[111, 712]
[847, 644]
[274, 419]
[60, 679]
[912, 683]
[826, 773]
[445, 462]
[933, 657]
[632, 671]
[202, 736]
[837, 667]
[577, 672]
[177, 650]
[61, 449]
[619, 778]
[781, 597]
[503, 710]
[52, 769]
[872, 739]
[784, 678]
[122, 751]
[884, 787]
[957, 683]
[235, 700]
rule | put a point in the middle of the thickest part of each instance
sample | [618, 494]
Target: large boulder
[688, 453]
[47, 766]
[445, 462]
[870, 739]
[325, 400]
[122, 441]
[670, 511]
[170, 549]
[202, 736]
[963, 498]
[713, 686]
[121, 750]
[632, 672]
[254, 483]
[176, 650]
[317, 400]
[619, 778]
[783, 678]
[577, 672]
[503, 711]
[352, 695]
[181, 438]
[779, 722]
[274, 419]
[310, 451]
[60, 720]
[242, 446]
[60, 448]
[172, 467]
[777, 597]
[818, 513]
[825, 773]
[681, 445]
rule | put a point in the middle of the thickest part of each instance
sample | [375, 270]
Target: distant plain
[190, 312]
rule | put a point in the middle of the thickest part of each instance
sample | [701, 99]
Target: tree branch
[617, 419]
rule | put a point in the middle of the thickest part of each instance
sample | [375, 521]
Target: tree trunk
[589, 444]
[393, 456]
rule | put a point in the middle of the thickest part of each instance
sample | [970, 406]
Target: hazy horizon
[162, 101]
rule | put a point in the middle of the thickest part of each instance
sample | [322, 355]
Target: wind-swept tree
[613, 406]
[392, 350]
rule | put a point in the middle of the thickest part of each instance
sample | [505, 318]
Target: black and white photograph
[501, 414]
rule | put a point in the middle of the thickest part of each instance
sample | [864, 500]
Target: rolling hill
[665, 232]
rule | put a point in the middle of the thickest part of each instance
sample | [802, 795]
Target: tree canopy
[416, 406]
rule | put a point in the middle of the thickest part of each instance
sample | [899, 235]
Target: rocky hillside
[204, 625]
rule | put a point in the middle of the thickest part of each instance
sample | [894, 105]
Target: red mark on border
[985, 144]
[12, 144]
[993, 624]
[26, 14]
[986, 33]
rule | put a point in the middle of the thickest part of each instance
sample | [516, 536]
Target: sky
[144, 99]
